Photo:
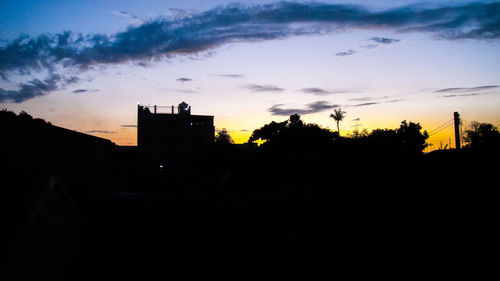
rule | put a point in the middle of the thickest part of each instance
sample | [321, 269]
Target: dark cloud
[374, 42]
[99, 132]
[81, 91]
[383, 40]
[129, 126]
[346, 53]
[164, 37]
[278, 110]
[35, 88]
[71, 80]
[263, 88]
[319, 106]
[466, 90]
[314, 107]
[184, 79]
[315, 91]
[221, 25]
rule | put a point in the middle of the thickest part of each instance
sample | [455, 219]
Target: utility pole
[456, 118]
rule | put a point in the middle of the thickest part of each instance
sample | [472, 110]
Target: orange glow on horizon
[438, 139]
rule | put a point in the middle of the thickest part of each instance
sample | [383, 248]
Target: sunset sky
[85, 65]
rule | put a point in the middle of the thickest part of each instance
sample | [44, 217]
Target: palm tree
[338, 115]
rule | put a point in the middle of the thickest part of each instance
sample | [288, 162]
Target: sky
[85, 65]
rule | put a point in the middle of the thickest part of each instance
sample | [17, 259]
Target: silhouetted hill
[51, 179]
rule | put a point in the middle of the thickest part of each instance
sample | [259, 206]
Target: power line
[440, 130]
[443, 124]
[447, 123]
[435, 132]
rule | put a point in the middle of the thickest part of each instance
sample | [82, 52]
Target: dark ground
[307, 206]
[349, 235]
[436, 216]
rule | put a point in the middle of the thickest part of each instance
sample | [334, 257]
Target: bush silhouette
[482, 136]
[223, 138]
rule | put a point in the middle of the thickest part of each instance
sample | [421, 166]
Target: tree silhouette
[338, 115]
[407, 138]
[412, 139]
[23, 115]
[356, 134]
[482, 135]
[268, 131]
[293, 131]
[295, 121]
[223, 138]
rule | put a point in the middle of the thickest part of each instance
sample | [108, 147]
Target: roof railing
[162, 109]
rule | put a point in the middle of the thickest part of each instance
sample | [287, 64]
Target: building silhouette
[169, 136]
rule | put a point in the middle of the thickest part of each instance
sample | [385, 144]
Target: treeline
[408, 138]
[294, 133]
[299, 156]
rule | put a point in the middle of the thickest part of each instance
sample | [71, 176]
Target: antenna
[356, 125]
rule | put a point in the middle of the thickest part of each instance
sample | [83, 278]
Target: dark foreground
[349, 235]
[362, 233]
[306, 205]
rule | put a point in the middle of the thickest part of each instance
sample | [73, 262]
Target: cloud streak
[99, 132]
[383, 40]
[315, 91]
[231, 75]
[368, 98]
[263, 88]
[163, 37]
[346, 53]
[363, 104]
[460, 95]
[372, 101]
[81, 91]
[310, 108]
[467, 90]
